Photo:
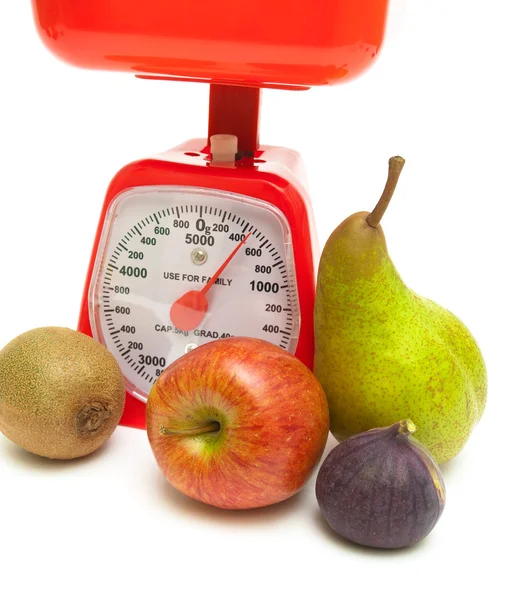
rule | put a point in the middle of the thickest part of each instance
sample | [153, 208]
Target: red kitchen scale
[214, 238]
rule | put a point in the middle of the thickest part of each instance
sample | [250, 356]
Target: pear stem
[210, 428]
[395, 166]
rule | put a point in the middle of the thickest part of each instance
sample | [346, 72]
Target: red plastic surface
[281, 42]
[278, 180]
[235, 110]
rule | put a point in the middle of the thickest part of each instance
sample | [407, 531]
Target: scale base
[271, 174]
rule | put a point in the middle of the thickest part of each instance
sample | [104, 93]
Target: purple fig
[381, 488]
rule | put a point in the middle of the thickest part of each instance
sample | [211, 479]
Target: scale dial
[158, 244]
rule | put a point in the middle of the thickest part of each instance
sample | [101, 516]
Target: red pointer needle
[188, 311]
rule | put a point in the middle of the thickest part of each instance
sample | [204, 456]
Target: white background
[444, 94]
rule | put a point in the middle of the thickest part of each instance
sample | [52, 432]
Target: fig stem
[406, 427]
[209, 428]
[395, 166]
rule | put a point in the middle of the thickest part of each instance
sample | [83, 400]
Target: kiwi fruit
[62, 393]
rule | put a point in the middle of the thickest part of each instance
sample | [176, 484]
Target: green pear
[384, 353]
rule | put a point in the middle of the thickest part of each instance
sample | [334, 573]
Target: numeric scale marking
[132, 339]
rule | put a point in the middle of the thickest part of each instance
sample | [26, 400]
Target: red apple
[237, 423]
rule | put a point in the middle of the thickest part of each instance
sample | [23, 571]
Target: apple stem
[210, 428]
[395, 166]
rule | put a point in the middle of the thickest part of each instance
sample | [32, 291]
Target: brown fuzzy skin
[62, 393]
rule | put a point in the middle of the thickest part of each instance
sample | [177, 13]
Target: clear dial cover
[161, 242]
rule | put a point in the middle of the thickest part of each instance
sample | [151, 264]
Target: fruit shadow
[193, 508]
[26, 460]
[450, 467]
[346, 546]
[174, 499]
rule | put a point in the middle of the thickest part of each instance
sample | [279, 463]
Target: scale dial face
[158, 244]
